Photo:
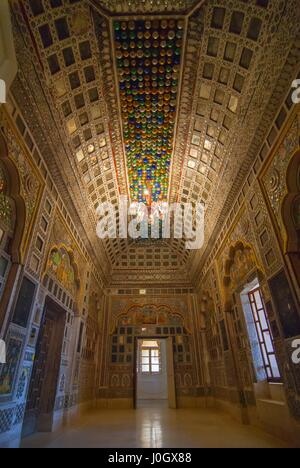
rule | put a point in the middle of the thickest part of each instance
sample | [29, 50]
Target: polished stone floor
[151, 426]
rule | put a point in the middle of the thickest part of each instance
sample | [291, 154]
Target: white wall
[154, 387]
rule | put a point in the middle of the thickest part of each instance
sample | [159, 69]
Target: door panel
[45, 373]
[171, 374]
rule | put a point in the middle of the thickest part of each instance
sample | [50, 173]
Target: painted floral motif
[6, 208]
[244, 261]
[60, 266]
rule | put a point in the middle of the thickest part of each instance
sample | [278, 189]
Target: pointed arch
[61, 264]
[241, 262]
[13, 191]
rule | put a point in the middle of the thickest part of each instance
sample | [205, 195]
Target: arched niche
[13, 209]
[291, 214]
[241, 269]
[62, 267]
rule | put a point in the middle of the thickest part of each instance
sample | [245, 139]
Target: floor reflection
[155, 427]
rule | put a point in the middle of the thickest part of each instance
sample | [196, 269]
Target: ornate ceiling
[148, 56]
[221, 80]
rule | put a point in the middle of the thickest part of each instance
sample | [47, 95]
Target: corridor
[153, 427]
[149, 223]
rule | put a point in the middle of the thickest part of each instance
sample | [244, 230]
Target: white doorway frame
[170, 369]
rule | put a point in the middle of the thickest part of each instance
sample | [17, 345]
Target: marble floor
[152, 426]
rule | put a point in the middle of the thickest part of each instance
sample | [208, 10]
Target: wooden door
[45, 374]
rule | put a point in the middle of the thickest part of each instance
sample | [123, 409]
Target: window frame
[152, 353]
[259, 316]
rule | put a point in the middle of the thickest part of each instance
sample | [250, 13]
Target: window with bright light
[264, 335]
[150, 357]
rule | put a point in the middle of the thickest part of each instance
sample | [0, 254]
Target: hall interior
[149, 223]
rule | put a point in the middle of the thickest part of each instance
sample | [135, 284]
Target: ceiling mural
[148, 55]
[152, 98]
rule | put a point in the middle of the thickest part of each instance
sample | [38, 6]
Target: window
[150, 357]
[264, 335]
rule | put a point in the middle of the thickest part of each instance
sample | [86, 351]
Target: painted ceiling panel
[148, 58]
[234, 79]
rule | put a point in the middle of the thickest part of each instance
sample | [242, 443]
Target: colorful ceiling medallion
[148, 57]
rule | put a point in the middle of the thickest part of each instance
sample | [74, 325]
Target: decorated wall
[256, 249]
[43, 264]
[132, 317]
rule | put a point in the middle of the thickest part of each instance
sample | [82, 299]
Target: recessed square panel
[191, 164]
[194, 153]
[205, 91]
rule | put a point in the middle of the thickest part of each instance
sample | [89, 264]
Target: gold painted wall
[149, 316]
[255, 247]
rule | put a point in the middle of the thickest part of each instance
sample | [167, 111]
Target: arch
[240, 264]
[61, 264]
[290, 212]
[148, 314]
[13, 191]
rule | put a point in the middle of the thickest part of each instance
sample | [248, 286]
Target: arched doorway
[61, 279]
[140, 336]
